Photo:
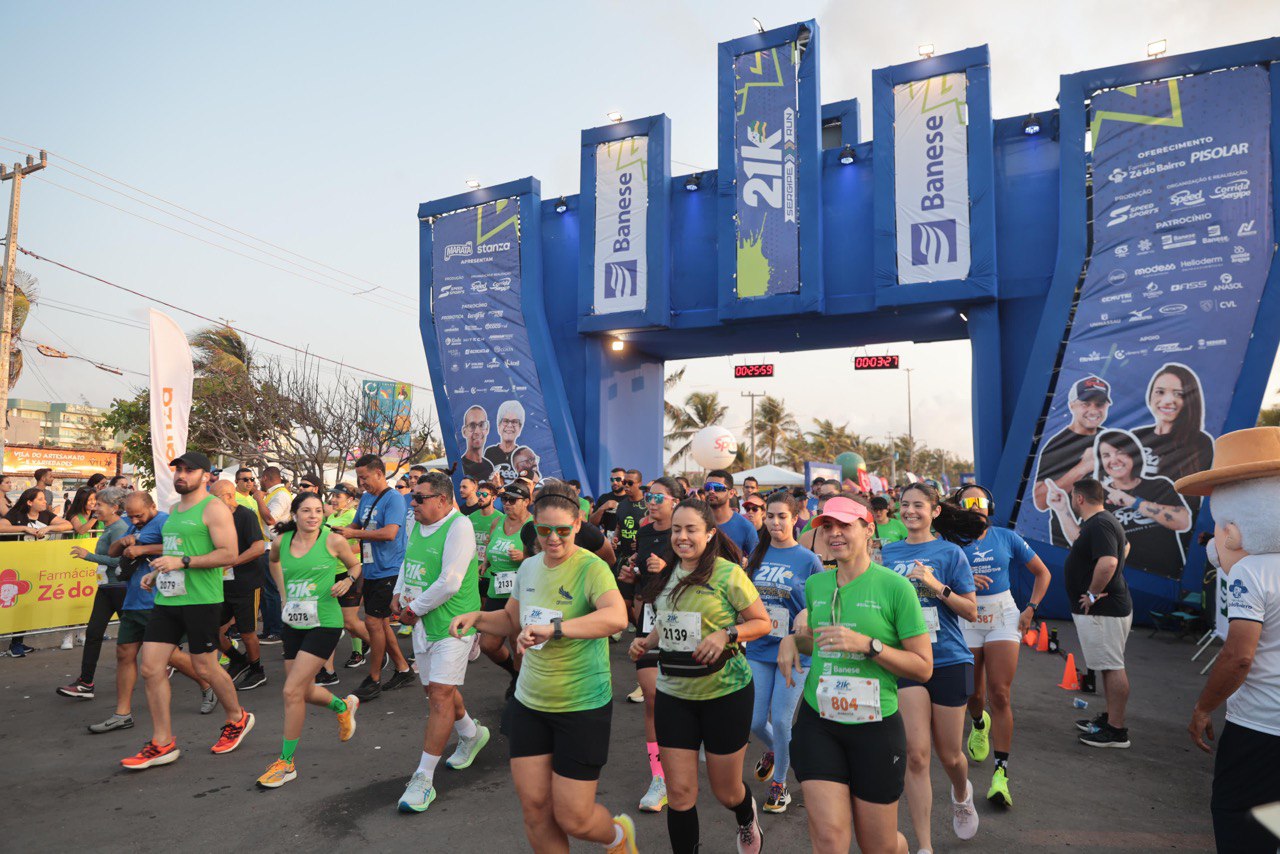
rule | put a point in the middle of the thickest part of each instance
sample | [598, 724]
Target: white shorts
[443, 662]
[997, 621]
[1102, 640]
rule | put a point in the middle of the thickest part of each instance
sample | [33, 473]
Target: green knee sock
[286, 752]
[357, 645]
[337, 704]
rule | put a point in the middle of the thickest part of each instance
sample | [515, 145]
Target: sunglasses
[753, 507]
[615, 480]
[245, 479]
[979, 501]
[561, 531]
[714, 487]
[306, 486]
[483, 493]
[656, 497]
[403, 486]
[628, 483]
[421, 497]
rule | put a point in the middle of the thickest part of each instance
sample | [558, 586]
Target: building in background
[62, 425]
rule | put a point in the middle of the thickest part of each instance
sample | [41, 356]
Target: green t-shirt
[423, 563]
[185, 534]
[585, 506]
[483, 526]
[891, 531]
[496, 556]
[880, 604]
[717, 604]
[308, 585]
[566, 675]
[342, 520]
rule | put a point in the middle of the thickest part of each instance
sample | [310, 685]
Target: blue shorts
[949, 686]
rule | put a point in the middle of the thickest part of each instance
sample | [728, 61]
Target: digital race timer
[865, 363]
[749, 371]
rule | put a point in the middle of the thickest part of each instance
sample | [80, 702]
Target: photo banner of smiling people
[491, 382]
[1181, 248]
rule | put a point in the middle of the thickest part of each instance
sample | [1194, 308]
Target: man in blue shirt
[717, 490]
[383, 534]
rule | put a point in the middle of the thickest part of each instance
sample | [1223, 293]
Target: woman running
[995, 637]
[502, 557]
[564, 605]
[753, 510]
[305, 560]
[341, 504]
[706, 608]
[944, 583]
[779, 568]
[865, 630]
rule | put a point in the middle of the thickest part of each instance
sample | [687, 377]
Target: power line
[208, 319]
[46, 302]
[80, 352]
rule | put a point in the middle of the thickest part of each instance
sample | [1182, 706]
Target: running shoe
[151, 755]
[465, 753]
[418, 795]
[627, 845]
[1087, 725]
[233, 734]
[224, 661]
[326, 677]
[980, 739]
[269, 639]
[347, 719]
[112, 723]
[20, 650]
[357, 659]
[252, 678]
[778, 798]
[750, 837]
[1106, 736]
[77, 690]
[399, 679]
[280, 772]
[964, 819]
[208, 701]
[405, 631]
[999, 792]
[237, 668]
[656, 798]
[68, 641]
[764, 768]
[368, 690]
[636, 696]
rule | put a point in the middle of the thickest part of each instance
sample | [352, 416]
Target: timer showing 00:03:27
[872, 363]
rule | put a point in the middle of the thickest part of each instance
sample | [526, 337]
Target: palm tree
[26, 292]
[668, 386]
[701, 409]
[220, 351]
[772, 426]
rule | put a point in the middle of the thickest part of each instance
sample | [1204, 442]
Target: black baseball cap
[1090, 388]
[516, 490]
[193, 460]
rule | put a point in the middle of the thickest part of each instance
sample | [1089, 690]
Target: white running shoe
[656, 798]
[636, 696]
[68, 641]
[965, 819]
[465, 753]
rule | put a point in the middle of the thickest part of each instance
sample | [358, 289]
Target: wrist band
[1137, 504]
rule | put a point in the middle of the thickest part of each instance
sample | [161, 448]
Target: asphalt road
[64, 788]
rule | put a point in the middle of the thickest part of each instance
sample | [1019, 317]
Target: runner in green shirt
[565, 606]
[341, 504]
[706, 608]
[312, 567]
[864, 629]
[889, 528]
[502, 556]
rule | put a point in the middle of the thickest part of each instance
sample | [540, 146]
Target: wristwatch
[1092, 598]
[186, 561]
[876, 648]
[1034, 606]
[946, 591]
[557, 633]
[732, 632]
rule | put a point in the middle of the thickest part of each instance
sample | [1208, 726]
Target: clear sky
[319, 127]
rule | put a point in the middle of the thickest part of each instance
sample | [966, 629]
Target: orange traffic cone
[1070, 678]
[1042, 643]
[1030, 637]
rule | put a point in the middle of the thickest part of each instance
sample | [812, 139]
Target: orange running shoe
[347, 719]
[233, 734]
[152, 755]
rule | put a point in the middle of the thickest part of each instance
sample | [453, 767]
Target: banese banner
[43, 587]
[766, 163]
[1182, 244]
[622, 204]
[491, 382]
[171, 377]
[931, 179]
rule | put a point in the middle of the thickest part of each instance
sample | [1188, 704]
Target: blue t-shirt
[994, 554]
[373, 513]
[951, 567]
[780, 580]
[135, 598]
[740, 531]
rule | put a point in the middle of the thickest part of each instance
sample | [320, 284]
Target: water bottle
[1079, 703]
[1053, 640]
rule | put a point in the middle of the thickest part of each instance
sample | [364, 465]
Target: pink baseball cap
[843, 510]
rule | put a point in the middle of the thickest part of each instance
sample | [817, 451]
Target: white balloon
[713, 447]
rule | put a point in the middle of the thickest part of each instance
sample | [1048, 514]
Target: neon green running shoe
[980, 739]
[998, 794]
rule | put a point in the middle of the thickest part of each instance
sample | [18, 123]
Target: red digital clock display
[751, 371]
[874, 363]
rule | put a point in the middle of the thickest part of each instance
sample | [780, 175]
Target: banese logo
[933, 242]
[620, 279]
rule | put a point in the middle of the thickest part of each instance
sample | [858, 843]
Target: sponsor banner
[1181, 248]
[21, 459]
[172, 374]
[766, 171]
[491, 382]
[827, 471]
[43, 587]
[622, 204]
[387, 412]
[931, 179]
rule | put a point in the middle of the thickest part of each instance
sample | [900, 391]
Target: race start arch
[1112, 263]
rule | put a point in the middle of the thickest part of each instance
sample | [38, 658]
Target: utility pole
[911, 433]
[751, 425]
[10, 260]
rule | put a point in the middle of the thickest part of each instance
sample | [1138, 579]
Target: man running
[438, 582]
[241, 583]
[199, 540]
[718, 489]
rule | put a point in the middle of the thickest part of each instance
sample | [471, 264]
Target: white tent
[770, 475]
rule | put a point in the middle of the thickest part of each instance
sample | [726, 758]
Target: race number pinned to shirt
[679, 631]
[229, 573]
[532, 615]
[301, 613]
[849, 700]
[172, 583]
[779, 620]
[648, 617]
[991, 614]
[502, 583]
[366, 552]
[931, 622]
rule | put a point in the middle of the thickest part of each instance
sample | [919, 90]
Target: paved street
[64, 788]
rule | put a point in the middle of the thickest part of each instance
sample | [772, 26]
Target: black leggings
[107, 602]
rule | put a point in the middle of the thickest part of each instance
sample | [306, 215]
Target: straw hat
[1242, 455]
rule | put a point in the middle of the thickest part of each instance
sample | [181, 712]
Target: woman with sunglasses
[502, 557]
[995, 636]
[779, 568]
[865, 630]
[341, 504]
[706, 608]
[753, 511]
[933, 710]
[565, 604]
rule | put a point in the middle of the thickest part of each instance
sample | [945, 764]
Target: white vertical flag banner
[172, 374]
[931, 179]
[622, 206]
